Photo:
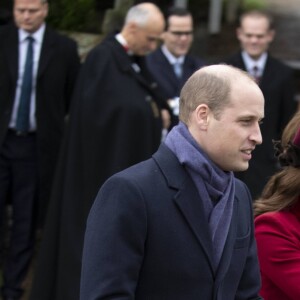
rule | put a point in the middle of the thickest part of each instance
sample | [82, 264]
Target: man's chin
[242, 168]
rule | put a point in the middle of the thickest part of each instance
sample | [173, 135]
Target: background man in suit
[38, 71]
[275, 79]
[179, 225]
[171, 65]
[115, 122]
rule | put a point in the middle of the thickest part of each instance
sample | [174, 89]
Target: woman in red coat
[277, 221]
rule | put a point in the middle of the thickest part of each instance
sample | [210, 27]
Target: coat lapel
[47, 51]
[125, 64]
[192, 210]
[167, 71]
[186, 199]
[11, 47]
[268, 75]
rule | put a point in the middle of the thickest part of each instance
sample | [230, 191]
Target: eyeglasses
[181, 33]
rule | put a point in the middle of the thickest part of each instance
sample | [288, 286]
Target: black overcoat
[148, 238]
[57, 71]
[115, 122]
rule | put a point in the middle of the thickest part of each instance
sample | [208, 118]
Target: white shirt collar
[170, 57]
[37, 35]
[120, 38]
[250, 62]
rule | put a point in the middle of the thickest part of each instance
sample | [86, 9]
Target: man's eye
[246, 122]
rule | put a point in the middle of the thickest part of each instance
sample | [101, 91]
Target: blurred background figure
[170, 64]
[276, 81]
[115, 121]
[277, 222]
[38, 71]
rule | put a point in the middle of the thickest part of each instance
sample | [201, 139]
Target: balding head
[223, 107]
[143, 26]
[210, 85]
[143, 14]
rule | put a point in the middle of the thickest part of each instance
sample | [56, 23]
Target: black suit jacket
[57, 71]
[164, 75]
[277, 85]
[147, 237]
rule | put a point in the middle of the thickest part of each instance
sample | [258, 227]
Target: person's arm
[114, 242]
[279, 253]
[250, 283]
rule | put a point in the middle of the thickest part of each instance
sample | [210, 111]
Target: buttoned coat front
[147, 238]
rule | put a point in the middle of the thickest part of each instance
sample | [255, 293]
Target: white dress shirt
[37, 46]
[250, 63]
[171, 58]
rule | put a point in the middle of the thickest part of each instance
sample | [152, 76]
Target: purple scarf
[215, 186]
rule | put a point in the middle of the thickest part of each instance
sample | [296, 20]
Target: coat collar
[124, 63]
[187, 201]
[47, 51]
[186, 198]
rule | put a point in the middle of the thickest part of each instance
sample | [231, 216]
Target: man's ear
[202, 113]
[238, 33]
[271, 35]
[163, 35]
[132, 27]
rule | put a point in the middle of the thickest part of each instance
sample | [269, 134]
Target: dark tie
[255, 73]
[22, 123]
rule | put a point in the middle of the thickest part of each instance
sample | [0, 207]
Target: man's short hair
[258, 14]
[210, 88]
[176, 11]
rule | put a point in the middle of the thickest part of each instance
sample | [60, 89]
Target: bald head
[210, 85]
[143, 14]
[144, 24]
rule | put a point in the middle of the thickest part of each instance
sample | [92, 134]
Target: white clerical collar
[37, 35]
[120, 38]
[250, 62]
[170, 57]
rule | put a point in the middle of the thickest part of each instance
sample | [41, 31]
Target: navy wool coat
[147, 238]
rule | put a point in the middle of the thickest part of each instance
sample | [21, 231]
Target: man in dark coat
[179, 225]
[28, 155]
[277, 84]
[173, 53]
[115, 122]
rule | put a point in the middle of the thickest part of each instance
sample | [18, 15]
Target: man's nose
[256, 135]
[26, 14]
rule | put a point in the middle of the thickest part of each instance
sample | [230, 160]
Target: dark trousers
[18, 188]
